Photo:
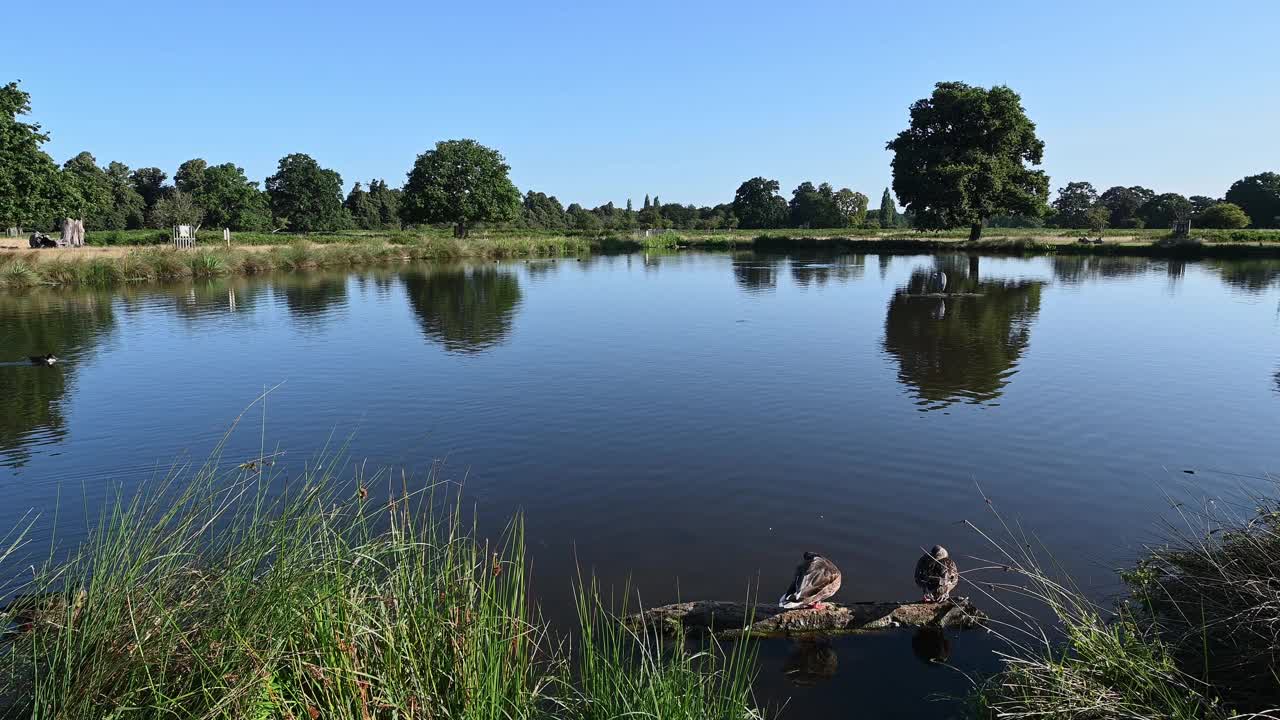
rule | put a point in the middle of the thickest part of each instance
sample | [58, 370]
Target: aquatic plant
[241, 593]
[206, 263]
[626, 671]
[1194, 637]
[18, 273]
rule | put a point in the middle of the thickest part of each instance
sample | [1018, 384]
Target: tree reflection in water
[961, 346]
[756, 275]
[819, 271]
[313, 298]
[69, 325]
[467, 310]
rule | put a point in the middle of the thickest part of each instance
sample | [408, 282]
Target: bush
[1224, 216]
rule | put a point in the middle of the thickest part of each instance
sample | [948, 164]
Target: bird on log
[802, 610]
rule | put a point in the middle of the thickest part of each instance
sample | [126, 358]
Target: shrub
[1224, 216]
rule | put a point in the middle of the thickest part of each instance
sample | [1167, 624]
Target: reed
[236, 594]
[641, 672]
[1193, 638]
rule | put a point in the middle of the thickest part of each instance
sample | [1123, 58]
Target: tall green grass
[1194, 638]
[238, 594]
[628, 671]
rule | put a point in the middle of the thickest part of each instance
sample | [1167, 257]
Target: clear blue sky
[604, 101]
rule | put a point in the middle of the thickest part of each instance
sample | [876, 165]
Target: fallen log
[729, 619]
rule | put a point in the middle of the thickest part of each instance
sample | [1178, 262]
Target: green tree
[230, 199]
[815, 207]
[1072, 206]
[460, 182]
[1224, 215]
[1200, 203]
[386, 200]
[582, 219]
[306, 195]
[1162, 210]
[377, 208]
[888, 213]
[757, 204]
[149, 184]
[1259, 197]
[1096, 218]
[852, 207]
[175, 208]
[88, 192]
[965, 158]
[128, 209]
[190, 175]
[650, 216]
[544, 212]
[1124, 203]
[360, 207]
[30, 184]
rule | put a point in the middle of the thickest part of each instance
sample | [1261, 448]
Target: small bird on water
[817, 579]
[937, 574]
[43, 359]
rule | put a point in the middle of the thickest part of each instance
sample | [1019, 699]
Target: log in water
[730, 618]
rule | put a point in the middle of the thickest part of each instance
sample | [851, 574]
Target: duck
[817, 579]
[937, 574]
[43, 359]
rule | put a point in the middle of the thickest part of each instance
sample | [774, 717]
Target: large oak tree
[460, 182]
[758, 205]
[966, 158]
[308, 196]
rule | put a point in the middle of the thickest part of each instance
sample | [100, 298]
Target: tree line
[966, 160]
[1251, 200]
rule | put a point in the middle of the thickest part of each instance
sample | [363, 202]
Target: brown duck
[937, 574]
[817, 579]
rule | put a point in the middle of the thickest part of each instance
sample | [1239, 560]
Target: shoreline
[104, 266]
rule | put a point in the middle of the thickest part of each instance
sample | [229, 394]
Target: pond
[691, 423]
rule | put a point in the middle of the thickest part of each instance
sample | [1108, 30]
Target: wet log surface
[730, 618]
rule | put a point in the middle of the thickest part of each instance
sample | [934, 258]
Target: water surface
[693, 422]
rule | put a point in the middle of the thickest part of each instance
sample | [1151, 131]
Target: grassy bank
[234, 595]
[257, 253]
[53, 267]
[1195, 637]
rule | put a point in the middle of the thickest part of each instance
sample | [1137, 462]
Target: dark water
[694, 422]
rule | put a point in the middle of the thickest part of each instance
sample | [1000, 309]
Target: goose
[817, 579]
[937, 574]
[43, 359]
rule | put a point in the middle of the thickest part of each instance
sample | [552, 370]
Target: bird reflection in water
[931, 645]
[810, 663]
